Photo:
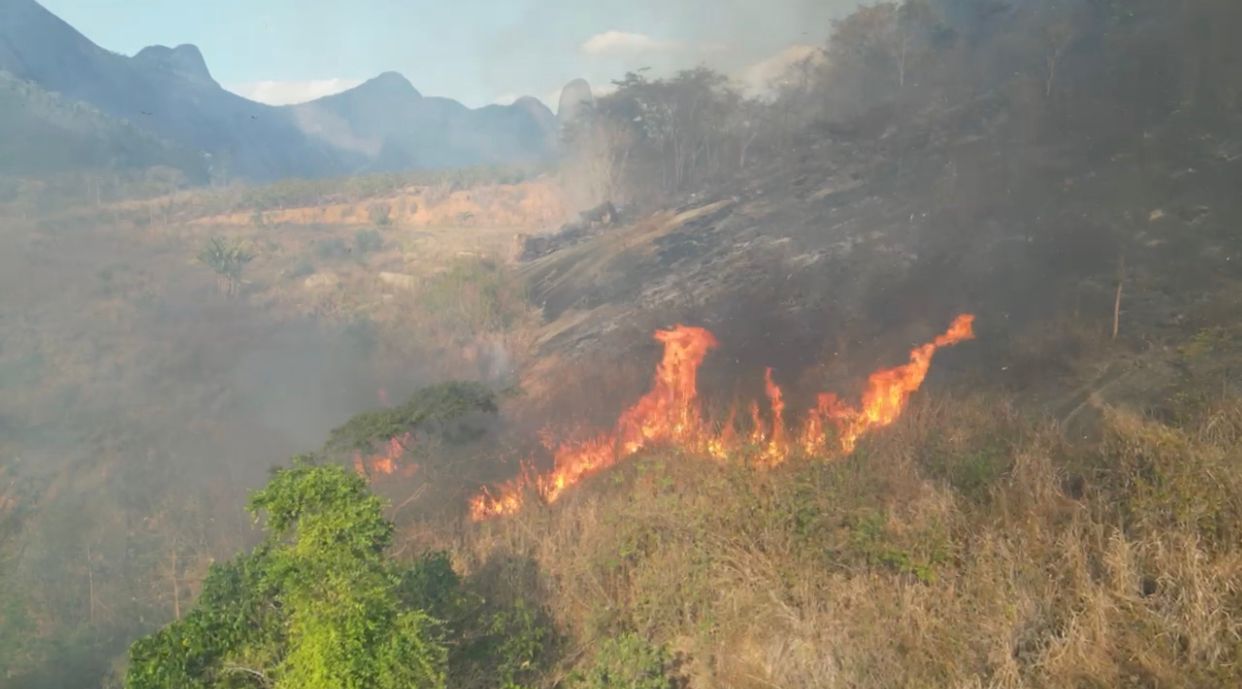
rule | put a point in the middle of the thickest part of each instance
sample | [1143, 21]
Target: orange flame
[670, 413]
[722, 443]
[385, 463]
[758, 430]
[776, 450]
[889, 389]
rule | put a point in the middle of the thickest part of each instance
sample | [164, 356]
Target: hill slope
[47, 134]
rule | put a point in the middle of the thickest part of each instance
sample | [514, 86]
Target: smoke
[601, 41]
[142, 404]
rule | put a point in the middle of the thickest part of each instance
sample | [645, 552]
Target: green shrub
[474, 295]
[630, 662]
[379, 213]
[302, 268]
[366, 241]
[430, 407]
[327, 249]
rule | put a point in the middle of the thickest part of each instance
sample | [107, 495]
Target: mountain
[392, 126]
[166, 91]
[384, 124]
[47, 134]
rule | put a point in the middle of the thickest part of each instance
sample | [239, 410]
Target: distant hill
[390, 126]
[47, 134]
[384, 124]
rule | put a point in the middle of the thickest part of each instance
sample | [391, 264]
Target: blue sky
[478, 51]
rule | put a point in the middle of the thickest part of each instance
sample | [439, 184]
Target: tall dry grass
[964, 547]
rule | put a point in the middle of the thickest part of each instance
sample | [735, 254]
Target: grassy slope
[964, 547]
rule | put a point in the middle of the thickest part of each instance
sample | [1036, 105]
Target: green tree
[227, 259]
[317, 605]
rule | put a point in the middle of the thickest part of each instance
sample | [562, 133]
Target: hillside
[920, 372]
[47, 134]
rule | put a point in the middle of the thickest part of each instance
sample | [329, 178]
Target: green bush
[492, 644]
[302, 268]
[379, 213]
[474, 295]
[328, 249]
[428, 408]
[630, 662]
[366, 241]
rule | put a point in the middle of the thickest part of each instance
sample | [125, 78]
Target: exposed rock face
[576, 97]
[185, 61]
[589, 223]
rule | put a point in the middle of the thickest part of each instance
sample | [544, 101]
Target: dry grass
[965, 547]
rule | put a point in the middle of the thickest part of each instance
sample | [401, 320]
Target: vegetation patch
[429, 408]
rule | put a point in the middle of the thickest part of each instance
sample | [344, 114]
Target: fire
[386, 462]
[670, 414]
[776, 450]
[887, 390]
[670, 411]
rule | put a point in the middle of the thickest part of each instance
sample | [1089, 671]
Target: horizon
[487, 52]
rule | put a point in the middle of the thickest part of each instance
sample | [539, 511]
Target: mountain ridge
[384, 124]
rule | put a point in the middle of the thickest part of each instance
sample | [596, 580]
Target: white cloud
[624, 42]
[289, 92]
[761, 76]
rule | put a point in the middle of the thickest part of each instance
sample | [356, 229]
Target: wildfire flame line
[669, 414]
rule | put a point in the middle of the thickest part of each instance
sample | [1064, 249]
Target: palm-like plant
[227, 258]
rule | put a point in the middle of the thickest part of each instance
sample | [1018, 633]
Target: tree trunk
[90, 583]
[176, 587]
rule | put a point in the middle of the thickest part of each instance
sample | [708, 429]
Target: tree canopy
[315, 606]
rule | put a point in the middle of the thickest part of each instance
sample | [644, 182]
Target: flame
[385, 463]
[670, 411]
[776, 451]
[889, 389]
[670, 414]
[722, 443]
[758, 433]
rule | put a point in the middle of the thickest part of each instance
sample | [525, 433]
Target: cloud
[624, 42]
[289, 92]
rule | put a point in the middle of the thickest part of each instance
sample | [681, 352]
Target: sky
[477, 51]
